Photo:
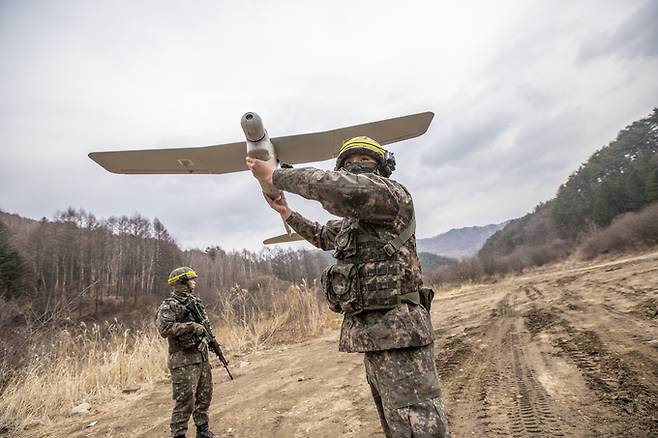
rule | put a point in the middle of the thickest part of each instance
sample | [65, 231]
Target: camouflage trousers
[192, 392]
[406, 391]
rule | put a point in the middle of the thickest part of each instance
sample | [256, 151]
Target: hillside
[76, 236]
[430, 261]
[458, 242]
[19, 227]
[619, 178]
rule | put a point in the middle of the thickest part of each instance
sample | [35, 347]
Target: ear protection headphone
[389, 158]
[389, 164]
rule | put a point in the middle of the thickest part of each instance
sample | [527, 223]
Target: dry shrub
[467, 270]
[531, 256]
[486, 266]
[635, 230]
[89, 366]
[247, 323]
[95, 363]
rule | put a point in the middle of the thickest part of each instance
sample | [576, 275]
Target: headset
[389, 163]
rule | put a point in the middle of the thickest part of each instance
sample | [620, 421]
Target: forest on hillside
[607, 205]
[619, 178]
[77, 264]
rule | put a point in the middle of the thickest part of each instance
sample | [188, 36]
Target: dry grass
[245, 324]
[631, 231]
[95, 364]
[486, 267]
[89, 366]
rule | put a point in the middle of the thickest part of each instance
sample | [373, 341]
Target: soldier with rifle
[182, 319]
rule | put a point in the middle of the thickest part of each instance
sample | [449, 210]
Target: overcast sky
[523, 92]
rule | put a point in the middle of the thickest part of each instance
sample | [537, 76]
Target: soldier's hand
[279, 205]
[262, 170]
[198, 329]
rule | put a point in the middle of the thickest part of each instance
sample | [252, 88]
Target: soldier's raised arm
[318, 235]
[358, 187]
[345, 194]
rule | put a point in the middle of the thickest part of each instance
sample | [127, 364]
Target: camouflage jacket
[387, 208]
[175, 323]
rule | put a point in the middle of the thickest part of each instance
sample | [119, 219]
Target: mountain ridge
[458, 242]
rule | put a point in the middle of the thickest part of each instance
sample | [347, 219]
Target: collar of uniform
[180, 296]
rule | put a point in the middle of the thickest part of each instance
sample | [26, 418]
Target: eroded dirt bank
[568, 351]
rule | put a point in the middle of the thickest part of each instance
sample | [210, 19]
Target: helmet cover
[367, 146]
[181, 275]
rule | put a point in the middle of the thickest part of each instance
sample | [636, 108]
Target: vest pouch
[345, 243]
[187, 341]
[334, 306]
[426, 297]
[340, 284]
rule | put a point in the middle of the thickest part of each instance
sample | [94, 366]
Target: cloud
[637, 36]
[475, 131]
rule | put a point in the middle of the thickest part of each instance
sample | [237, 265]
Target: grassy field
[94, 363]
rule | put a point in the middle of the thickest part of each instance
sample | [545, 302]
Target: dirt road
[567, 351]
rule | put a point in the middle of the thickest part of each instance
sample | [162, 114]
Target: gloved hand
[198, 329]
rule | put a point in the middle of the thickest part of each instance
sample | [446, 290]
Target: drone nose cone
[252, 125]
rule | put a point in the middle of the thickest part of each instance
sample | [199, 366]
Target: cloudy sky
[523, 92]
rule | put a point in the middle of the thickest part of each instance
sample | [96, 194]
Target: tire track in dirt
[493, 387]
[532, 292]
[467, 378]
[618, 303]
[608, 375]
[534, 412]
[600, 326]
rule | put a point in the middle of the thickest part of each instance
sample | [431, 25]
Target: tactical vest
[188, 342]
[366, 275]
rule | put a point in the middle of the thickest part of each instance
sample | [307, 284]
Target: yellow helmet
[367, 146]
[181, 275]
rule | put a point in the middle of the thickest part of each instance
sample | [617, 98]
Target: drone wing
[294, 237]
[223, 158]
[227, 158]
[320, 146]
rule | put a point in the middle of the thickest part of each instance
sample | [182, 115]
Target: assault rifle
[212, 342]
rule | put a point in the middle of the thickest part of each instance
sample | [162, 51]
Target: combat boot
[203, 432]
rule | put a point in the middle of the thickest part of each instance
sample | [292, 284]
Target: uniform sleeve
[320, 236]
[167, 325]
[342, 193]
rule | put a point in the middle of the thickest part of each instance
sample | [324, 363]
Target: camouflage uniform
[397, 342]
[191, 375]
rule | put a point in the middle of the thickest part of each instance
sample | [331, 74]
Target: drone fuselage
[259, 147]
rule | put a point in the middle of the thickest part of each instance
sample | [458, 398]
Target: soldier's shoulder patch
[166, 302]
[169, 303]
[166, 313]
